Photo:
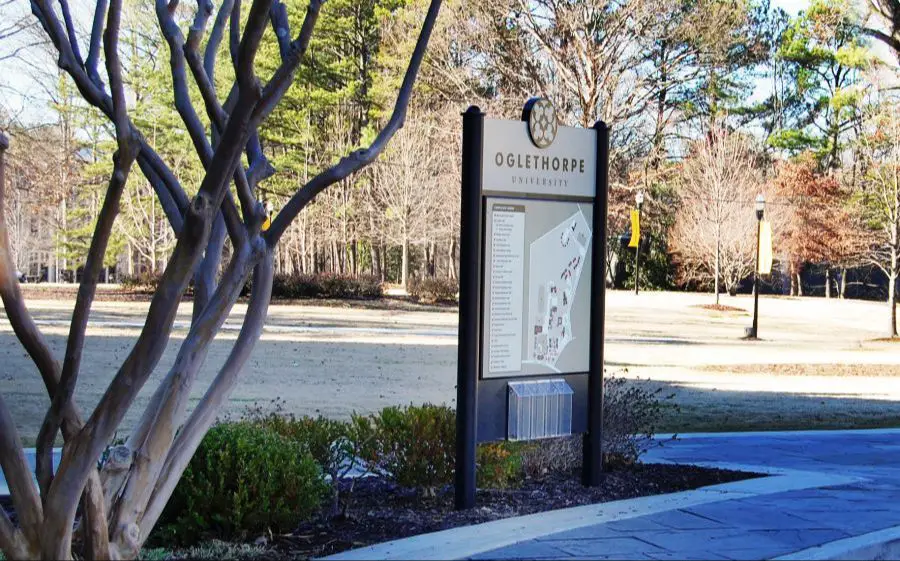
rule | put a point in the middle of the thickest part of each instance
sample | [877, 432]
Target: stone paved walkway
[753, 527]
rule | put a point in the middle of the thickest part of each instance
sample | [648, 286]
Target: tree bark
[892, 302]
[718, 251]
[404, 263]
[843, 287]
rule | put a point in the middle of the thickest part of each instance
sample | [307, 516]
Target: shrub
[416, 445]
[145, 281]
[553, 455]
[245, 479]
[631, 415]
[434, 290]
[338, 447]
[299, 286]
[498, 465]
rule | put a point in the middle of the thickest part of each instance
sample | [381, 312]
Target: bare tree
[880, 197]
[714, 235]
[405, 190]
[122, 501]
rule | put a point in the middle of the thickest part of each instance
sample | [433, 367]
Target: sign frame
[476, 394]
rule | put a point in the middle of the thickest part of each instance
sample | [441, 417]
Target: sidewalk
[832, 495]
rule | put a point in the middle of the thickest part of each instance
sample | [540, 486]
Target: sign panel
[635, 228]
[512, 163]
[532, 228]
[536, 287]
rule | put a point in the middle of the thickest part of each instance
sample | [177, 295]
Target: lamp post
[760, 210]
[639, 200]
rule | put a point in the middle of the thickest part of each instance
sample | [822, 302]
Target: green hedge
[299, 286]
[243, 481]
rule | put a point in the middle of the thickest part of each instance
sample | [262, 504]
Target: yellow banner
[635, 229]
[765, 248]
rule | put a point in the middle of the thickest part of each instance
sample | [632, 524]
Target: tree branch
[361, 158]
[215, 39]
[204, 414]
[18, 476]
[75, 344]
[217, 118]
[94, 94]
[70, 30]
[889, 40]
[12, 540]
[284, 74]
[90, 65]
[282, 27]
[249, 45]
[159, 424]
[80, 457]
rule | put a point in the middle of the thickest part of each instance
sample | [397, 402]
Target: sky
[20, 84]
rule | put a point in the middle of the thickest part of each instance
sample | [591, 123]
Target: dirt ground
[818, 363]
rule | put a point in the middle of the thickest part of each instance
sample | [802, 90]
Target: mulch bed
[381, 511]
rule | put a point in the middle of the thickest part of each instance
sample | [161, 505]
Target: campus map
[556, 261]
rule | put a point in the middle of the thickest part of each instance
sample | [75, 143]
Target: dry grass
[720, 308]
[841, 370]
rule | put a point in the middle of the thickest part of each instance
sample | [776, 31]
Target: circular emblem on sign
[541, 118]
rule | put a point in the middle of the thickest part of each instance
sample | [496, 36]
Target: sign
[536, 287]
[533, 232]
[513, 164]
[765, 248]
[635, 228]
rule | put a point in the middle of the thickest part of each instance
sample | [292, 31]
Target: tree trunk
[451, 255]
[716, 288]
[827, 282]
[892, 298]
[843, 287]
[892, 282]
[404, 264]
[376, 260]
[799, 284]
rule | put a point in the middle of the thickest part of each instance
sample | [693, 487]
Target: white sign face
[507, 264]
[537, 287]
[512, 163]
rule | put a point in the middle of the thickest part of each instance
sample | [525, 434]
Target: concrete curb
[883, 544]
[775, 433]
[466, 541]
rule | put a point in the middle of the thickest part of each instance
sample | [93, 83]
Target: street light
[760, 211]
[639, 200]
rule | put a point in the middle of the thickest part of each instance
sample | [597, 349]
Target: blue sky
[24, 94]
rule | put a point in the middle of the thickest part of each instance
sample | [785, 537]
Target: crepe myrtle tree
[118, 503]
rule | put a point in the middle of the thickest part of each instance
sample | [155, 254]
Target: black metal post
[637, 256]
[469, 307]
[754, 334]
[593, 449]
